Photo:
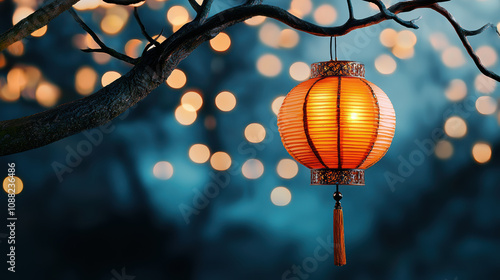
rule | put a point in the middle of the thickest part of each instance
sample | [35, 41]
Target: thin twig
[204, 11]
[104, 48]
[123, 2]
[195, 5]
[351, 11]
[383, 9]
[143, 29]
[463, 34]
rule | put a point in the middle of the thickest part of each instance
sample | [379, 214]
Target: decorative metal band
[337, 68]
[351, 177]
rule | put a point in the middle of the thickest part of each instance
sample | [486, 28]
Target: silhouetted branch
[123, 2]
[143, 29]
[463, 34]
[156, 64]
[195, 5]
[104, 48]
[35, 21]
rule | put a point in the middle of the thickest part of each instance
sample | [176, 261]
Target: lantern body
[337, 123]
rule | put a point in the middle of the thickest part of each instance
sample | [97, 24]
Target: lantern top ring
[335, 68]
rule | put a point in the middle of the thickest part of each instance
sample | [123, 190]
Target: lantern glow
[337, 124]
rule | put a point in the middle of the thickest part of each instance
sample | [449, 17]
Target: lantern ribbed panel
[325, 116]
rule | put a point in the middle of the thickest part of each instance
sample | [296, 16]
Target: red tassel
[338, 232]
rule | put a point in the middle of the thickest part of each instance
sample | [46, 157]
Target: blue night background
[179, 189]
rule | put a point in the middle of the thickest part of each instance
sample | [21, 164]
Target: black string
[331, 48]
[335, 48]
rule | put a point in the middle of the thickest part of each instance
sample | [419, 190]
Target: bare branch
[104, 48]
[204, 10]
[35, 21]
[123, 2]
[195, 5]
[351, 12]
[463, 34]
[149, 45]
[157, 63]
[143, 29]
[390, 15]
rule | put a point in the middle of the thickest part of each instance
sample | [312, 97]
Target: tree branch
[156, 65]
[143, 29]
[35, 21]
[195, 5]
[123, 2]
[463, 34]
[204, 10]
[104, 48]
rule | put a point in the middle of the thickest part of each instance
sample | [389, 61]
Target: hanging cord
[331, 47]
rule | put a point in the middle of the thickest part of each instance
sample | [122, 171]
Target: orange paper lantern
[337, 124]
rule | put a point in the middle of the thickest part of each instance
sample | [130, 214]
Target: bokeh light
[20, 13]
[325, 14]
[452, 57]
[269, 65]
[388, 37]
[281, 196]
[406, 39]
[225, 101]
[255, 20]
[487, 55]
[221, 42]
[385, 64]
[485, 84]
[185, 117]
[85, 80]
[455, 127]
[199, 153]
[252, 169]
[87, 4]
[177, 79]
[481, 152]
[300, 71]
[16, 49]
[39, 32]
[192, 101]
[276, 105]
[444, 149]
[289, 38]
[255, 133]
[47, 94]
[163, 170]
[456, 90]
[486, 105]
[287, 168]
[301, 8]
[220, 161]
[132, 47]
[177, 15]
[270, 34]
[109, 77]
[18, 185]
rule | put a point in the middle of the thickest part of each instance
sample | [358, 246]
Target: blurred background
[194, 183]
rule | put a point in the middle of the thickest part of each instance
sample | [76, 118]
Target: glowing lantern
[337, 124]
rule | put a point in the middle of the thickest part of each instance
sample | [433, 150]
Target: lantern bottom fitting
[350, 177]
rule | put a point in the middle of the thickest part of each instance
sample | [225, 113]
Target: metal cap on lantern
[337, 124]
